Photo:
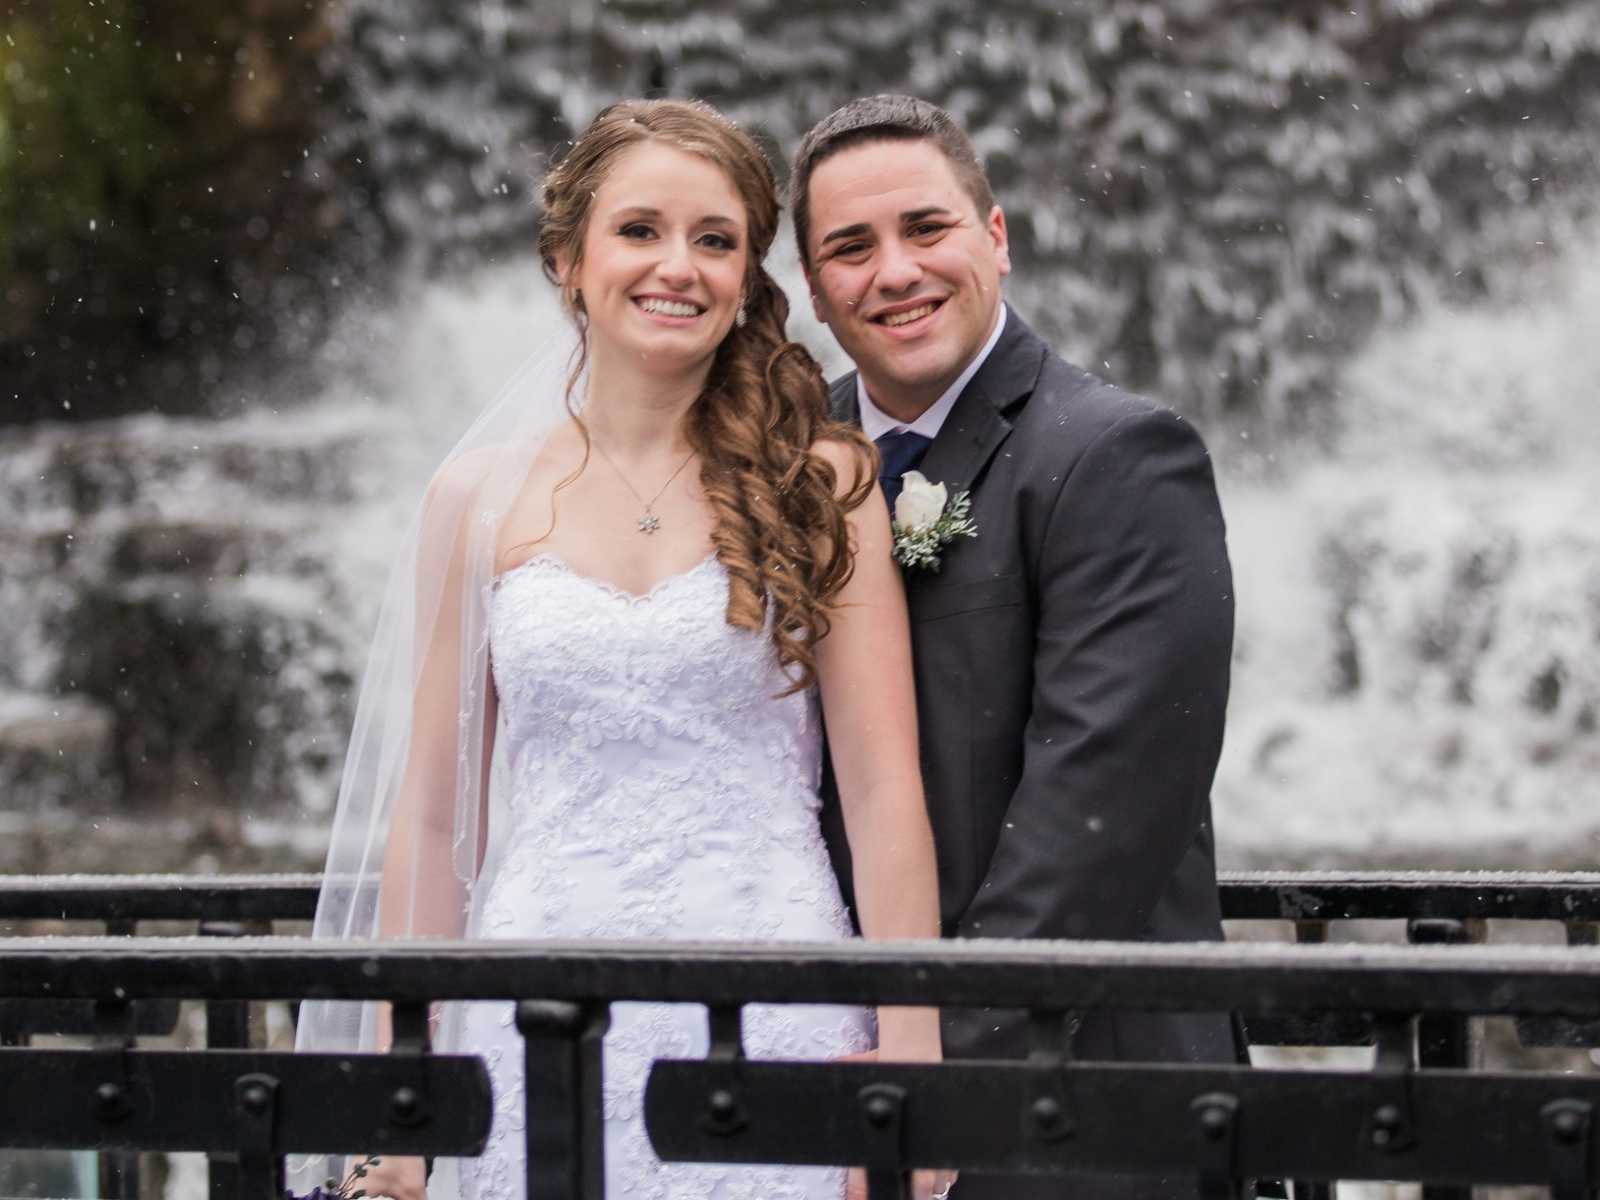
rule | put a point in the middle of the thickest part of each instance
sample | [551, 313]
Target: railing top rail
[1337, 895]
[159, 897]
[1265, 895]
[1251, 977]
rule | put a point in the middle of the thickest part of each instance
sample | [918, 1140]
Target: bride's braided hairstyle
[780, 529]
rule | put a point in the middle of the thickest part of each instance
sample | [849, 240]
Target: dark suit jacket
[1072, 675]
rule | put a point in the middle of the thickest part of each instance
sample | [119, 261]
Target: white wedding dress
[660, 788]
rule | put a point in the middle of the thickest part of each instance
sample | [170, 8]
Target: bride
[592, 707]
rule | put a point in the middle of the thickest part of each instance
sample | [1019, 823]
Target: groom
[1072, 659]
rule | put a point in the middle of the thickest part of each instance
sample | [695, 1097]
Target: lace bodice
[643, 733]
[660, 786]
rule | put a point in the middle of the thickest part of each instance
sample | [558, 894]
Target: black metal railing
[1047, 1113]
[1303, 897]
[1436, 909]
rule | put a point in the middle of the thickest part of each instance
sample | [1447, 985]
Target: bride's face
[664, 257]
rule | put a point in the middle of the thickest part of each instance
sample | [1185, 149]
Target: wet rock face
[204, 548]
[146, 466]
[1493, 615]
[57, 754]
[215, 694]
[178, 638]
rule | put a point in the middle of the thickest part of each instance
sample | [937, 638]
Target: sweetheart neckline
[604, 585]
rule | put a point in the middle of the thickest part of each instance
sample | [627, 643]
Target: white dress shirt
[875, 422]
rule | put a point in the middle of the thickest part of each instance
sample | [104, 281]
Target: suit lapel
[843, 402]
[967, 441]
[978, 423]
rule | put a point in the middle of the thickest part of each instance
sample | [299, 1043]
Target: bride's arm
[869, 705]
[420, 891]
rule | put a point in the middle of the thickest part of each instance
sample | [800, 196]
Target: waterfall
[1416, 681]
[1351, 245]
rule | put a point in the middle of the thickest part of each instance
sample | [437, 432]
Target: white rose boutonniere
[926, 519]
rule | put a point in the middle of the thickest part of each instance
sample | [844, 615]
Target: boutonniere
[926, 519]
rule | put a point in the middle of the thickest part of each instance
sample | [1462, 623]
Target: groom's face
[903, 268]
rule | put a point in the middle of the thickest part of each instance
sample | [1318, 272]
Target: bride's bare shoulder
[851, 460]
[462, 479]
[462, 475]
[459, 486]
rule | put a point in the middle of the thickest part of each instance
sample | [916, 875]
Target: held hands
[925, 1185]
[905, 1035]
[387, 1176]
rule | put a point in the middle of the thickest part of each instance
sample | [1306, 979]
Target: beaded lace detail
[660, 787]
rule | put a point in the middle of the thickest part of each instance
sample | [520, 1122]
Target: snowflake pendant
[649, 523]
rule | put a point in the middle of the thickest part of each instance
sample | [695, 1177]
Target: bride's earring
[739, 317]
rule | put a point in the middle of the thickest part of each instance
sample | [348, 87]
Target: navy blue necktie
[901, 452]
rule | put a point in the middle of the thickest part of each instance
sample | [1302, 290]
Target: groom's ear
[999, 239]
[816, 298]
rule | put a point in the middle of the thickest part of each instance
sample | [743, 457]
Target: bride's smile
[669, 309]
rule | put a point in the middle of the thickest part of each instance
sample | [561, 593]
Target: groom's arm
[1135, 632]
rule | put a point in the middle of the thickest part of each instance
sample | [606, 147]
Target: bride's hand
[400, 1178]
[925, 1185]
[905, 1035]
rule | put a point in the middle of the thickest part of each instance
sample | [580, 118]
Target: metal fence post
[1216, 1117]
[1442, 1038]
[259, 1172]
[562, 1090]
[1311, 933]
[883, 1110]
[1568, 1127]
[227, 1028]
[114, 1030]
[118, 1169]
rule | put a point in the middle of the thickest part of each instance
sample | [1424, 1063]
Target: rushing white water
[1417, 678]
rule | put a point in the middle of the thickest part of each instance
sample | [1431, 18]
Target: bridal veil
[411, 826]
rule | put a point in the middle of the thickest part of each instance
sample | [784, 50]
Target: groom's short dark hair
[883, 118]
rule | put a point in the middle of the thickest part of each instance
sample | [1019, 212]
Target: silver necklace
[649, 522]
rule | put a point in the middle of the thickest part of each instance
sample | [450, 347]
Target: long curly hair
[780, 526]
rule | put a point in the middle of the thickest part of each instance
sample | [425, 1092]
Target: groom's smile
[910, 319]
[903, 268]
